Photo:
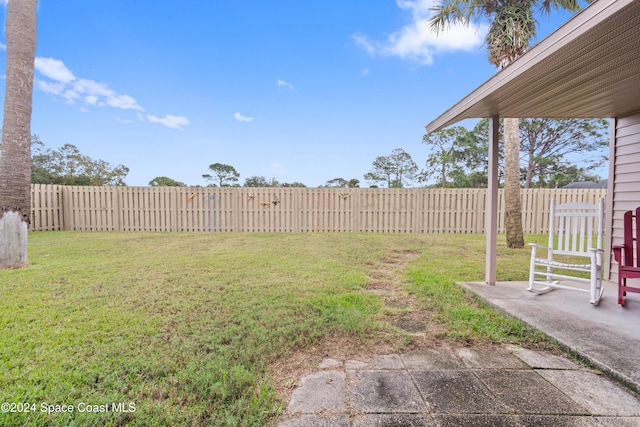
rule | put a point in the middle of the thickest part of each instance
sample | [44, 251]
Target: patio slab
[394, 420]
[558, 421]
[456, 392]
[490, 359]
[540, 360]
[384, 391]
[435, 387]
[432, 359]
[528, 393]
[498, 386]
[317, 421]
[515, 420]
[607, 335]
[320, 391]
[595, 392]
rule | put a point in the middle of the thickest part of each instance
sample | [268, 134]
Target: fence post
[415, 210]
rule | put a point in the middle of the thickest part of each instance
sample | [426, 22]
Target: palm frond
[512, 23]
[450, 12]
[570, 5]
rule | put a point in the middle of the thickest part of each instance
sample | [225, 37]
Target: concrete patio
[500, 386]
[607, 335]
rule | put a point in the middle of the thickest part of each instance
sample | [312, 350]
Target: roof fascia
[587, 19]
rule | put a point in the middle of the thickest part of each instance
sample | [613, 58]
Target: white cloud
[174, 122]
[91, 100]
[51, 88]
[416, 42]
[365, 72]
[282, 83]
[64, 84]
[54, 69]
[239, 117]
[3, 46]
[363, 41]
[61, 82]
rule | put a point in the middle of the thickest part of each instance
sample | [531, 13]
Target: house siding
[624, 179]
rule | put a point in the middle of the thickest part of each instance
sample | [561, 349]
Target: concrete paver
[384, 391]
[388, 361]
[317, 421]
[502, 386]
[527, 392]
[619, 421]
[456, 392]
[506, 386]
[557, 421]
[515, 420]
[607, 335]
[394, 420]
[595, 392]
[321, 391]
[433, 359]
[541, 360]
[490, 359]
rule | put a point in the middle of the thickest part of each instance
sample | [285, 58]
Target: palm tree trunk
[512, 198]
[15, 151]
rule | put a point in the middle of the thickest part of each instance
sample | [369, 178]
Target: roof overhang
[588, 68]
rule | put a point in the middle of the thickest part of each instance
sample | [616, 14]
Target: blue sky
[291, 90]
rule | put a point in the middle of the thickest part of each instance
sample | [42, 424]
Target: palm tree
[15, 151]
[512, 28]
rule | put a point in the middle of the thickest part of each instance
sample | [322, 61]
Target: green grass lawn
[180, 329]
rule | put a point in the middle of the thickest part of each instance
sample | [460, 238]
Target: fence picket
[377, 210]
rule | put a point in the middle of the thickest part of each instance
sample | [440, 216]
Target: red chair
[627, 255]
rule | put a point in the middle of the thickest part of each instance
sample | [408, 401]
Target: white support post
[491, 227]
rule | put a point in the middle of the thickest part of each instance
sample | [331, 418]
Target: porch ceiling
[589, 67]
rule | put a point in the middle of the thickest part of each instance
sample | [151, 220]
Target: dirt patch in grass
[410, 326]
[412, 323]
[407, 328]
[286, 373]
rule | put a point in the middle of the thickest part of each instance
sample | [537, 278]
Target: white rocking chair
[579, 234]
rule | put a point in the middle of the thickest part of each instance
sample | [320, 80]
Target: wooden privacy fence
[281, 209]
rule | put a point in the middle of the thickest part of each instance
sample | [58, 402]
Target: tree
[261, 181]
[67, 166]
[292, 184]
[224, 175]
[337, 183]
[445, 160]
[546, 143]
[475, 159]
[561, 174]
[458, 158]
[546, 146]
[396, 169]
[256, 181]
[164, 181]
[342, 183]
[511, 30]
[479, 157]
[15, 151]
